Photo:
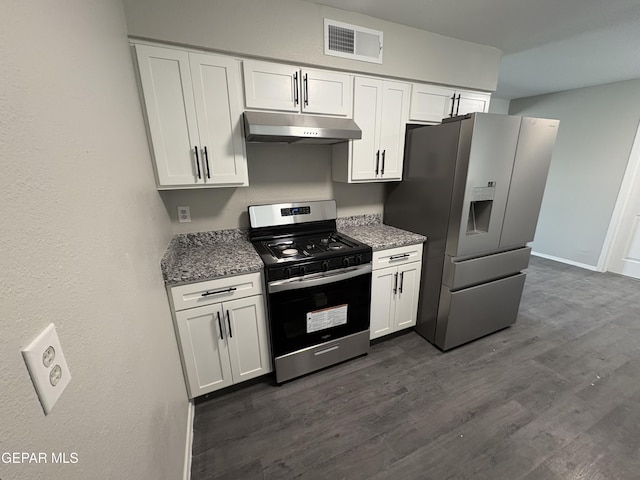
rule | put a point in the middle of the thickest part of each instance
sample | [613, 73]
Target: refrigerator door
[471, 313]
[486, 152]
[533, 156]
[458, 274]
[421, 203]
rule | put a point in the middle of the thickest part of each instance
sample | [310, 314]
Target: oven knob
[358, 259]
[325, 266]
[287, 272]
[346, 262]
[302, 270]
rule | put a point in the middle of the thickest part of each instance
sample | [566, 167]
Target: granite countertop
[196, 257]
[370, 230]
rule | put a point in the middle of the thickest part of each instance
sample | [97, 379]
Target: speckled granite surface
[359, 220]
[196, 257]
[370, 230]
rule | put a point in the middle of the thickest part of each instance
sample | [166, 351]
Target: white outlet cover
[184, 214]
[41, 375]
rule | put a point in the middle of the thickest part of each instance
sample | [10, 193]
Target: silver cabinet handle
[398, 257]
[382, 171]
[217, 292]
[453, 104]
[306, 90]
[206, 160]
[401, 280]
[229, 323]
[377, 161]
[395, 283]
[458, 107]
[220, 326]
[195, 149]
[295, 88]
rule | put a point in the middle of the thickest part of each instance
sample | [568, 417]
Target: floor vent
[350, 41]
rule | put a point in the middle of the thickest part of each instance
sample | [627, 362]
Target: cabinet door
[171, 115]
[247, 337]
[204, 350]
[430, 103]
[216, 92]
[382, 302]
[367, 103]
[469, 102]
[393, 121]
[326, 93]
[271, 86]
[407, 297]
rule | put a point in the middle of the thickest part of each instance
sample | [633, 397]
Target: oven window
[309, 316]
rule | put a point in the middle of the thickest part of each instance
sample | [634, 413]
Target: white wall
[499, 105]
[277, 173]
[83, 231]
[597, 128]
[292, 30]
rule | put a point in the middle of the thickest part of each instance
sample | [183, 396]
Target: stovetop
[308, 247]
[296, 239]
[296, 255]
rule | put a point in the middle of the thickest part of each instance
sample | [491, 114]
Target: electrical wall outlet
[48, 367]
[184, 214]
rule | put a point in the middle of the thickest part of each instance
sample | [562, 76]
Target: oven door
[318, 308]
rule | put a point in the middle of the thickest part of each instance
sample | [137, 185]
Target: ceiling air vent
[350, 41]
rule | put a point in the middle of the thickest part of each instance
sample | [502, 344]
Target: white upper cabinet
[273, 86]
[381, 110]
[193, 107]
[430, 103]
[469, 102]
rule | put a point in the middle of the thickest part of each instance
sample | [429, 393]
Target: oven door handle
[316, 279]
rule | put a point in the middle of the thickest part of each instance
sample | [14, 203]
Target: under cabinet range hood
[261, 127]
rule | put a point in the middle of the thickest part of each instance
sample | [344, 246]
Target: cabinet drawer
[397, 256]
[477, 311]
[218, 290]
[460, 274]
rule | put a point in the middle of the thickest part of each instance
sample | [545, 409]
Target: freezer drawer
[471, 313]
[458, 274]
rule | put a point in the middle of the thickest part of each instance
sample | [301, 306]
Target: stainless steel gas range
[318, 284]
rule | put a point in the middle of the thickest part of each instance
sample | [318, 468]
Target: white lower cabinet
[222, 343]
[395, 289]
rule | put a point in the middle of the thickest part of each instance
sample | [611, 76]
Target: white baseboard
[568, 262]
[188, 449]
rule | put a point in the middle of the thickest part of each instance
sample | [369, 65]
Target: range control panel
[287, 212]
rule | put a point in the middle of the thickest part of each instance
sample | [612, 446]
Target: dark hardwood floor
[556, 396]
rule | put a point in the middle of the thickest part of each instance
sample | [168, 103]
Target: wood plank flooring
[554, 397]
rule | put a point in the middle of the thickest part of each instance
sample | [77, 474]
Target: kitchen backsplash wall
[277, 173]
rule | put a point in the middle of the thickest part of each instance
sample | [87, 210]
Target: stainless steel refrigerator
[473, 186]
